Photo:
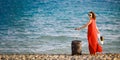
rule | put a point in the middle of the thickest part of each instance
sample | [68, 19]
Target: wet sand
[107, 56]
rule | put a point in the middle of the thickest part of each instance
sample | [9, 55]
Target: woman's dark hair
[93, 15]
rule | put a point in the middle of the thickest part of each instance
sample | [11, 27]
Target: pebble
[60, 57]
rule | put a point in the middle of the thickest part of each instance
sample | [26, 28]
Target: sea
[47, 26]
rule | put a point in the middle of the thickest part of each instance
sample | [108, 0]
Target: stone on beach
[59, 57]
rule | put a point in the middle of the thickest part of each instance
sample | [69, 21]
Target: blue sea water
[47, 26]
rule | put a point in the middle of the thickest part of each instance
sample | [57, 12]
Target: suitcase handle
[76, 37]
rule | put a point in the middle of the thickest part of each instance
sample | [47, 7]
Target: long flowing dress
[93, 39]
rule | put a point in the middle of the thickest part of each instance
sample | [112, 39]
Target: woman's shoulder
[92, 19]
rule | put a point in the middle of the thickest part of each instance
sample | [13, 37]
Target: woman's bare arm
[84, 25]
[97, 29]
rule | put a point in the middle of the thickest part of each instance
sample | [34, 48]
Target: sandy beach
[107, 56]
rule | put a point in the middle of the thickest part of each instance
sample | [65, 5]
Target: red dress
[92, 38]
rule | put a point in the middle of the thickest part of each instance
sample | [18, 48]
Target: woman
[92, 34]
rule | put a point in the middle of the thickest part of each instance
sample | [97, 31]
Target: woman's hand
[77, 28]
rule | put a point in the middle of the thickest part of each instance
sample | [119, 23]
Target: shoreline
[109, 56]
